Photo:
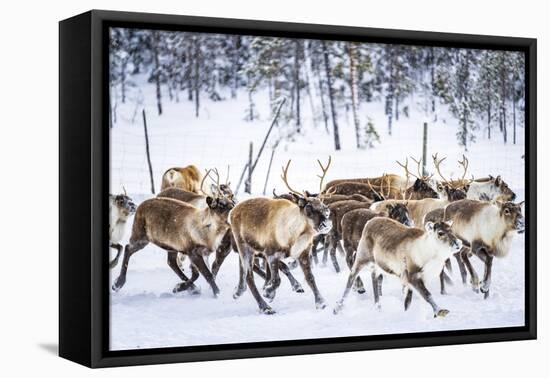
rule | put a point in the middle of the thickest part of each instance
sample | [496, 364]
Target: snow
[145, 313]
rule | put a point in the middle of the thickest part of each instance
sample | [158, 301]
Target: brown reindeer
[178, 227]
[422, 186]
[391, 180]
[352, 225]
[412, 254]
[278, 228]
[186, 178]
[487, 228]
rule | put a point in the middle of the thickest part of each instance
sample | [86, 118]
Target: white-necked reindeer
[121, 207]
[414, 255]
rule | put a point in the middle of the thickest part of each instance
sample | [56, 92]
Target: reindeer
[352, 225]
[121, 207]
[487, 229]
[178, 227]
[412, 254]
[422, 186]
[278, 228]
[481, 189]
[391, 180]
[186, 178]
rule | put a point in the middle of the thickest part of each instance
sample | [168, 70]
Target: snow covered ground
[145, 313]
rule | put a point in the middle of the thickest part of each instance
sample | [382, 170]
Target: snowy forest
[482, 89]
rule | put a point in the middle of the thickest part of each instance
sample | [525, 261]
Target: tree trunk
[489, 117]
[123, 80]
[235, 66]
[157, 70]
[514, 118]
[323, 105]
[311, 89]
[331, 97]
[297, 83]
[352, 52]
[196, 73]
[397, 107]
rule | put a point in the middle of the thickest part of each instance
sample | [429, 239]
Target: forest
[483, 90]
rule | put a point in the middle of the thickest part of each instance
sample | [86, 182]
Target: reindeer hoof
[320, 305]
[361, 290]
[267, 311]
[117, 285]
[441, 313]
[484, 287]
[298, 289]
[194, 290]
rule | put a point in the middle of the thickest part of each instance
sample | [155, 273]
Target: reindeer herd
[404, 226]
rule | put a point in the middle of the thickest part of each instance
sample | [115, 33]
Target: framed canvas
[235, 188]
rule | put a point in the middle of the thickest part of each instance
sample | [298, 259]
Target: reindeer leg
[119, 249]
[448, 266]
[128, 252]
[314, 246]
[482, 253]
[375, 288]
[443, 279]
[333, 246]
[418, 284]
[188, 283]
[353, 274]
[198, 261]
[358, 285]
[247, 259]
[380, 280]
[461, 267]
[408, 298]
[325, 250]
[241, 287]
[474, 277]
[221, 253]
[293, 281]
[275, 279]
[308, 274]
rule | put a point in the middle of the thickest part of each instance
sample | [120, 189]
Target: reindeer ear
[301, 202]
[449, 223]
[498, 180]
[211, 202]
[429, 226]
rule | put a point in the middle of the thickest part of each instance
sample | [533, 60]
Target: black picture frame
[83, 181]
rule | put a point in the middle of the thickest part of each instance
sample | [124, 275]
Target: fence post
[269, 167]
[425, 148]
[148, 153]
[248, 182]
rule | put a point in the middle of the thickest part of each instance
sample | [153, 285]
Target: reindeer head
[422, 187]
[443, 235]
[310, 205]
[124, 204]
[505, 193]
[219, 190]
[446, 188]
[400, 213]
[220, 205]
[512, 215]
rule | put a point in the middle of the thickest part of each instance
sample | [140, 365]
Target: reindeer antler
[464, 163]
[284, 176]
[124, 190]
[324, 169]
[406, 168]
[437, 164]
[381, 195]
[217, 181]
[207, 174]
[227, 177]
